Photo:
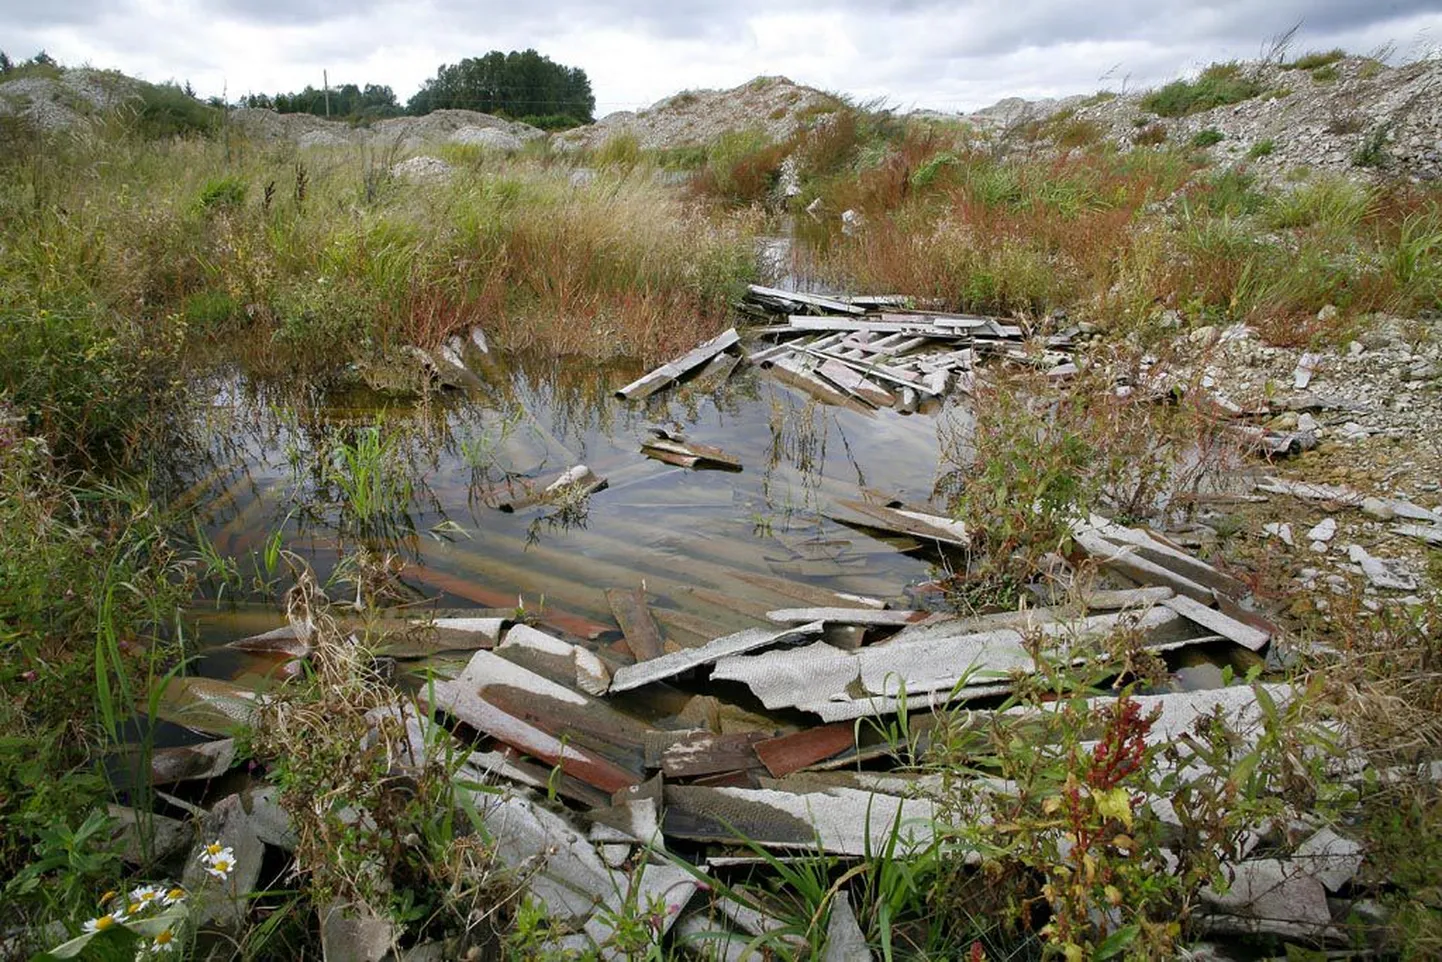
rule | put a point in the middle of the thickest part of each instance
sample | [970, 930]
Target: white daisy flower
[164, 942]
[221, 866]
[147, 896]
[173, 896]
[101, 923]
[216, 850]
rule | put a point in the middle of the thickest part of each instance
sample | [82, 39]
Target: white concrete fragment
[1330, 858]
[1270, 896]
[1381, 573]
[1324, 530]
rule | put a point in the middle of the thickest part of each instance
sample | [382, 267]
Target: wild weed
[1218, 85]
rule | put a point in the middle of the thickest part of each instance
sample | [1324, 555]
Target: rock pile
[1355, 115]
[774, 105]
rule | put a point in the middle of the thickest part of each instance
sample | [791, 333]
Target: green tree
[517, 84]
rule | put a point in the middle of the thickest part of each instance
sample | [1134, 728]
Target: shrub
[1325, 75]
[1206, 138]
[168, 111]
[1219, 85]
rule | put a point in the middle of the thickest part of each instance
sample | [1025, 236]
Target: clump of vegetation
[1314, 59]
[1372, 151]
[1206, 138]
[1219, 85]
[1325, 75]
[1262, 148]
[1152, 135]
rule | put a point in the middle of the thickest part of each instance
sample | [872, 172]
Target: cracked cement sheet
[1181, 710]
[1269, 896]
[839, 821]
[938, 662]
[670, 665]
[788, 677]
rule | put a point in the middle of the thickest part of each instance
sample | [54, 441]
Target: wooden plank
[637, 626]
[791, 753]
[670, 665]
[845, 616]
[856, 383]
[651, 383]
[1243, 634]
[812, 300]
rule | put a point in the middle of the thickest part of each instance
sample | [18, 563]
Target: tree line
[522, 85]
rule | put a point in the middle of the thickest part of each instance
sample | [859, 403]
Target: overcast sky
[942, 54]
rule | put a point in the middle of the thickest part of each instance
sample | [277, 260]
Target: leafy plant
[1218, 85]
[1206, 138]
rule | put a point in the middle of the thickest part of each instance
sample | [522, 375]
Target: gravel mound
[410, 133]
[773, 104]
[1320, 120]
[73, 99]
[421, 168]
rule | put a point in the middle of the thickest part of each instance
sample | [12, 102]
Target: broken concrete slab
[839, 821]
[226, 901]
[1381, 573]
[674, 370]
[1269, 897]
[677, 662]
[1248, 636]
[845, 942]
[1330, 858]
[144, 838]
[191, 762]
[355, 933]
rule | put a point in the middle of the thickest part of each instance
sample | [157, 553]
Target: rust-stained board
[637, 626]
[839, 821]
[510, 703]
[675, 663]
[688, 754]
[791, 753]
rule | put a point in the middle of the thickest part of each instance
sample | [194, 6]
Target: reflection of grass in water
[570, 509]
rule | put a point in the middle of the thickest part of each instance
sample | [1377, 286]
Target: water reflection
[280, 458]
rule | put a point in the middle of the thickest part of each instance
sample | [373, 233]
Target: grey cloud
[17, 14]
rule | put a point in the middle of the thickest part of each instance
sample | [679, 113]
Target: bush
[1372, 151]
[1219, 85]
[168, 111]
[1206, 138]
[222, 193]
[1150, 136]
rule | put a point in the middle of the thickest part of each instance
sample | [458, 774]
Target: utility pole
[325, 82]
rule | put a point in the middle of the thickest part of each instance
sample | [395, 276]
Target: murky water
[702, 542]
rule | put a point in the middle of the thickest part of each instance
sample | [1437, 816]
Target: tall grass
[326, 252]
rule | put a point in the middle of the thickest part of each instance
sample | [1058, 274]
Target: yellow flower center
[221, 865]
[175, 895]
[104, 922]
[164, 937]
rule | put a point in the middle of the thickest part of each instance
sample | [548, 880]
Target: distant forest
[521, 85]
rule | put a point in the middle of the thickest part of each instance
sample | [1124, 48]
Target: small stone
[1305, 422]
[1327, 313]
[1320, 547]
[1379, 509]
[1280, 530]
[1325, 530]
[1203, 335]
[1355, 348]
